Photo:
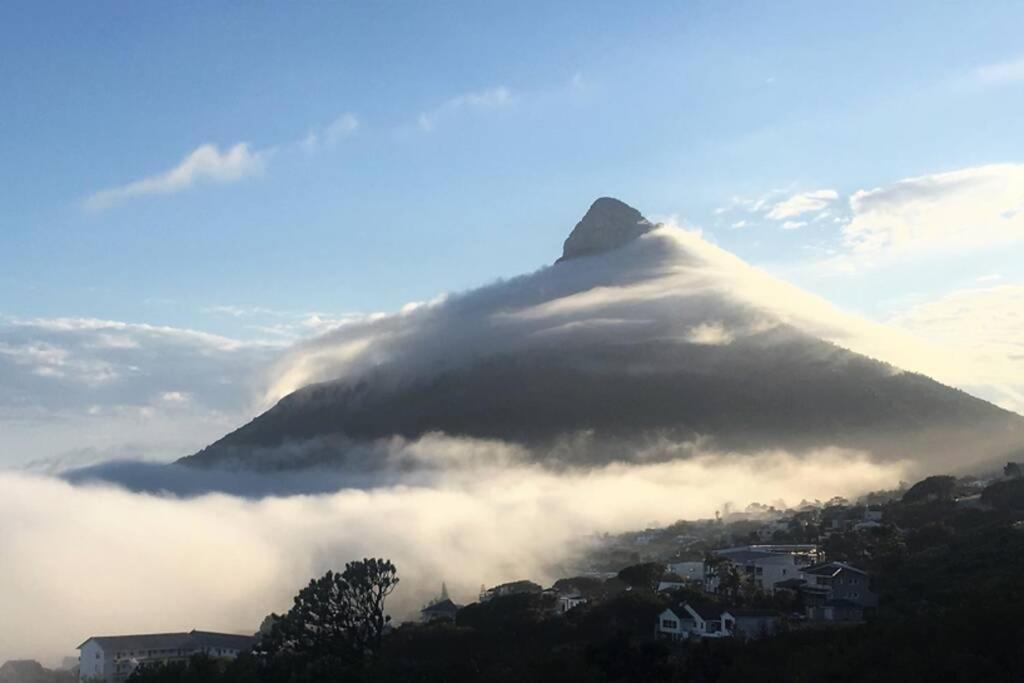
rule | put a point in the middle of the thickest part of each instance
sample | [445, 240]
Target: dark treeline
[950, 583]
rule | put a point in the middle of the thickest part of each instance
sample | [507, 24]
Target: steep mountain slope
[640, 339]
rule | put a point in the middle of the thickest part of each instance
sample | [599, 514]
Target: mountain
[642, 341]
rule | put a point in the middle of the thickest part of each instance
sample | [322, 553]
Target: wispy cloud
[799, 204]
[207, 163]
[330, 135]
[491, 98]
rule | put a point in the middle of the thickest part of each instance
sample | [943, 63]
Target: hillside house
[113, 658]
[442, 610]
[510, 588]
[843, 581]
[687, 620]
[762, 566]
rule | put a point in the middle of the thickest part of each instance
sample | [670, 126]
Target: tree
[644, 576]
[940, 487]
[337, 617]
[1012, 470]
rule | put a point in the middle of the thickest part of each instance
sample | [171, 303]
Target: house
[511, 588]
[873, 514]
[843, 582]
[685, 620]
[763, 566]
[671, 582]
[442, 610]
[567, 601]
[113, 658]
[768, 530]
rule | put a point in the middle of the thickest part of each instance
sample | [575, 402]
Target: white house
[113, 658]
[568, 601]
[763, 568]
[687, 620]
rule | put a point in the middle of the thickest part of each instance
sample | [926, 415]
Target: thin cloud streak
[206, 164]
[491, 98]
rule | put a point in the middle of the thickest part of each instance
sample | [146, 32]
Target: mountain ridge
[631, 338]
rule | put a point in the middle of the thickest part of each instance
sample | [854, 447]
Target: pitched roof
[444, 606]
[745, 555]
[227, 641]
[193, 640]
[831, 569]
[706, 610]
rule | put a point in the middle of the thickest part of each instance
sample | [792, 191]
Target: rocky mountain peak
[608, 224]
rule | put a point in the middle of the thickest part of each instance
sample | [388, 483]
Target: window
[669, 624]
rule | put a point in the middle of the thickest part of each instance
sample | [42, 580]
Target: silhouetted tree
[940, 487]
[337, 617]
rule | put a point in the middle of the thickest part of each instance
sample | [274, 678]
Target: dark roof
[790, 583]
[227, 641]
[192, 640]
[706, 610]
[745, 555]
[446, 606]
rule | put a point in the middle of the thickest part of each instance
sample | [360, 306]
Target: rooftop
[192, 640]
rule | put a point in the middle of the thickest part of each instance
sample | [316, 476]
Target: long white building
[111, 659]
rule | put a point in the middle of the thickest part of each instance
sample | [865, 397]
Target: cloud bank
[78, 390]
[975, 207]
[97, 559]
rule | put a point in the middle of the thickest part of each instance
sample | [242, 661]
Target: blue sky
[235, 168]
[675, 109]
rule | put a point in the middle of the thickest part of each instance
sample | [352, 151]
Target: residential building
[844, 582]
[568, 601]
[687, 620]
[511, 588]
[112, 659]
[763, 565]
[442, 610]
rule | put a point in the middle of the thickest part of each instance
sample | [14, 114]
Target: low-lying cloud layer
[91, 560]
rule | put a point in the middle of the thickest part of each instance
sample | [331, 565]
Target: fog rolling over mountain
[641, 342]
